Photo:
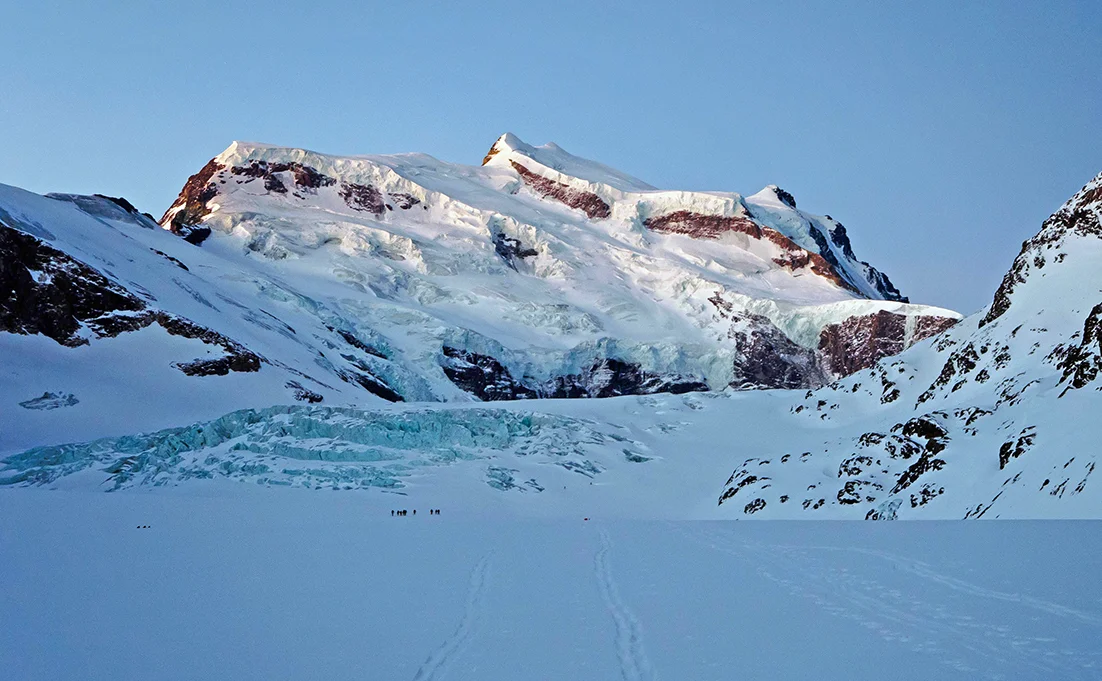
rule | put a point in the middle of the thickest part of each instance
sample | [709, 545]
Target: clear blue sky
[941, 135]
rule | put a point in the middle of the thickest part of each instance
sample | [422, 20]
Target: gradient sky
[941, 135]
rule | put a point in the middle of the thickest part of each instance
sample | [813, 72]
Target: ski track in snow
[634, 665]
[911, 619]
[920, 569]
[436, 666]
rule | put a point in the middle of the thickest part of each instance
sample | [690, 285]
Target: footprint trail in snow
[436, 666]
[634, 665]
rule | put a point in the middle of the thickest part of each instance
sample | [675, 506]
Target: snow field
[283, 584]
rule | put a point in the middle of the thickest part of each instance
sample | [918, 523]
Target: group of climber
[432, 511]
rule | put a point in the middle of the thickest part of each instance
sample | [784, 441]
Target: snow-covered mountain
[995, 417]
[541, 274]
[355, 281]
[348, 282]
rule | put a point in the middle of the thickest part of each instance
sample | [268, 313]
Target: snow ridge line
[634, 665]
[437, 664]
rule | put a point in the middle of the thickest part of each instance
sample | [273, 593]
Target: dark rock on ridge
[304, 176]
[1077, 217]
[191, 206]
[1082, 363]
[46, 291]
[587, 202]
[701, 226]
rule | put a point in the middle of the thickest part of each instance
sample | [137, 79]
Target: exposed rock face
[960, 363]
[237, 357]
[303, 394]
[1079, 216]
[405, 201]
[590, 204]
[43, 290]
[490, 154]
[1082, 363]
[881, 283]
[363, 197]
[191, 206]
[483, 376]
[611, 377]
[737, 481]
[304, 176]
[768, 359]
[193, 234]
[1015, 447]
[861, 341]
[927, 326]
[840, 238]
[489, 380]
[120, 202]
[511, 249]
[701, 226]
[908, 455]
[370, 382]
[784, 197]
[928, 428]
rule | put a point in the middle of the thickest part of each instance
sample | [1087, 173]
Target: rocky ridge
[996, 407]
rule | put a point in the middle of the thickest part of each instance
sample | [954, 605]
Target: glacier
[319, 447]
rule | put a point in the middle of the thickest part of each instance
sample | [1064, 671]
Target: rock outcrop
[1078, 217]
[589, 203]
[489, 380]
[46, 291]
[861, 341]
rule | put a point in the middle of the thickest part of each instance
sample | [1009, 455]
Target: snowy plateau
[587, 375]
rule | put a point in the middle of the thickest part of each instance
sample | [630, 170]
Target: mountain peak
[507, 142]
[774, 194]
